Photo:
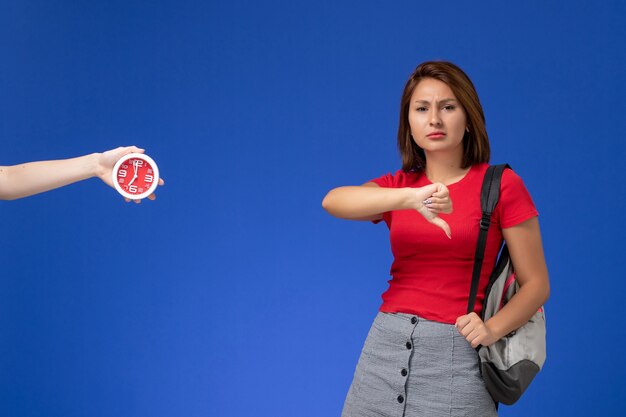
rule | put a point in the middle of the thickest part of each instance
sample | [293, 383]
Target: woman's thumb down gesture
[430, 201]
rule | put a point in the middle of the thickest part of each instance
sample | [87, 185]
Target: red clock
[135, 176]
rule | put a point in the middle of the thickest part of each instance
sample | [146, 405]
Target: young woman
[419, 357]
[32, 178]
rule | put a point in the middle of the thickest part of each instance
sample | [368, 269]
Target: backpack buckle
[485, 221]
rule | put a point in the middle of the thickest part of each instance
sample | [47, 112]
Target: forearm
[357, 202]
[36, 177]
[526, 250]
[520, 308]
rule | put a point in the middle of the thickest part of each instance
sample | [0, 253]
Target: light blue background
[235, 294]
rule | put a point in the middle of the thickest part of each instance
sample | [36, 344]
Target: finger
[461, 324]
[443, 202]
[125, 150]
[472, 335]
[127, 200]
[137, 201]
[462, 321]
[134, 149]
[469, 322]
[476, 338]
[474, 343]
[473, 316]
[161, 181]
[475, 325]
[441, 188]
[439, 222]
[427, 191]
[437, 206]
[465, 325]
[467, 331]
[152, 197]
[436, 211]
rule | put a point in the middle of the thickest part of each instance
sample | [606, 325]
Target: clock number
[124, 166]
[148, 178]
[132, 189]
[121, 173]
[139, 162]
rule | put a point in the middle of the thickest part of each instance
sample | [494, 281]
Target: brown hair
[475, 143]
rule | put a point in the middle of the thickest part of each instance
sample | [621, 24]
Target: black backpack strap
[489, 195]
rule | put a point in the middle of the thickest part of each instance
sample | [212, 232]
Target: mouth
[436, 135]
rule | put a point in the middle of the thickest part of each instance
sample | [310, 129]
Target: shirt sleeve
[386, 181]
[515, 205]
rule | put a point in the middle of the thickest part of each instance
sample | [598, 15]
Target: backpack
[509, 365]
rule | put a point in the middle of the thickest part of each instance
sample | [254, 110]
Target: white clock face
[135, 176]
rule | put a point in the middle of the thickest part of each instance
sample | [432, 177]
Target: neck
[445, 169]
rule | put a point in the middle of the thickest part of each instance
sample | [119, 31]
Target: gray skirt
[411, 367]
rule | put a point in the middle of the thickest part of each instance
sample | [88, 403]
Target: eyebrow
[428, 102]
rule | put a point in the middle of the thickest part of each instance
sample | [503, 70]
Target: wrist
[494, 329]
[410, 200]
[94, 167]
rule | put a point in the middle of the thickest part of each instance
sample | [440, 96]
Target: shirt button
[404, 372]
[400, 399]
[413, 320]
[408, 345]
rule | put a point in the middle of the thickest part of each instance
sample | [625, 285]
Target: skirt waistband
[422, 327]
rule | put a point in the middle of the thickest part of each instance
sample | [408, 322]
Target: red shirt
[431, 274]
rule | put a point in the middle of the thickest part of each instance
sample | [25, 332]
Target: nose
[435, 120]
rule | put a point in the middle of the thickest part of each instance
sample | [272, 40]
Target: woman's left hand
[475, 330]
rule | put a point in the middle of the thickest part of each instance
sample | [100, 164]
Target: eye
[421, 109]
[450, 107]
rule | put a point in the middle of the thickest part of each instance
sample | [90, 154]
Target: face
[434, 108]
[135, 176]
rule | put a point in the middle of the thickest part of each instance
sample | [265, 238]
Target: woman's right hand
[431, 200]
[369, 201]
[106, 161]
